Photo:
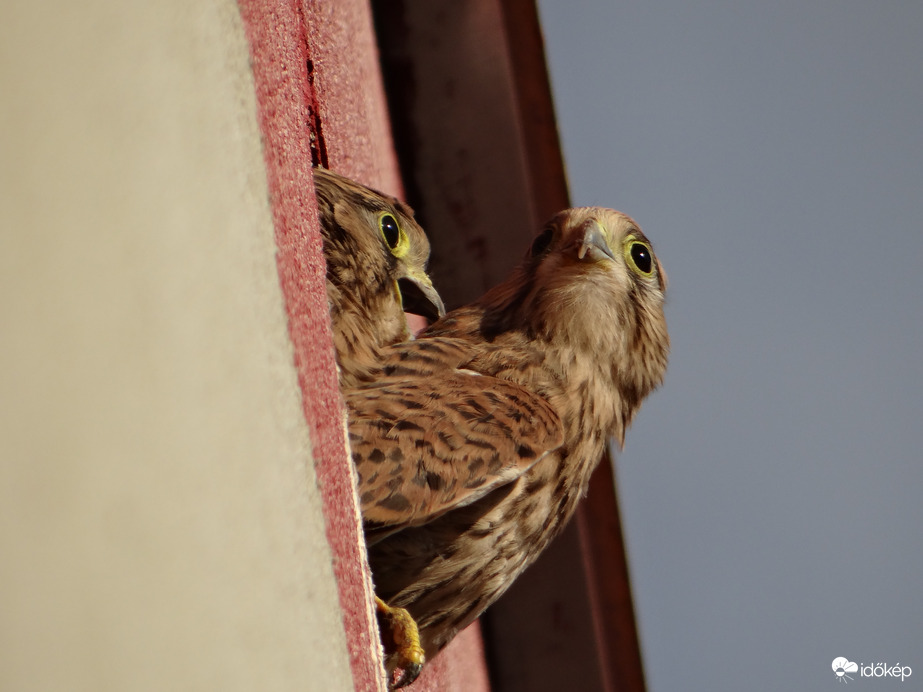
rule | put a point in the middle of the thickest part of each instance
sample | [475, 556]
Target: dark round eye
[390, 230]
[541, 242]
[641, 256]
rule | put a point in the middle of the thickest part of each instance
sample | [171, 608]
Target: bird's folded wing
[426, 445]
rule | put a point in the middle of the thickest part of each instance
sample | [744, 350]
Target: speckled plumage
[474, 443]
[376, 269]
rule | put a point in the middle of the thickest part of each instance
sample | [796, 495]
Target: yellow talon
[406, 653]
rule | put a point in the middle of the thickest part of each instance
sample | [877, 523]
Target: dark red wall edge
[277, 34]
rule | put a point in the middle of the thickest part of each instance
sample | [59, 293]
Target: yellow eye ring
[638, 256]
[393, 234]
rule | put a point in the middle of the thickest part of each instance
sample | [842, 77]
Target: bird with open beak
[376, 270]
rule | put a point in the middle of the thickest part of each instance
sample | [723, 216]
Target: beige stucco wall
[160, 525]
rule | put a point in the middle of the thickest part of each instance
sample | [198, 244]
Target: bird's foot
[402, 644]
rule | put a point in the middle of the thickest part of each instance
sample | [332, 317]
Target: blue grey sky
[772, 490]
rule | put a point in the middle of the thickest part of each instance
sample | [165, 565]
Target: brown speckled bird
[376, 270]
[474, 443]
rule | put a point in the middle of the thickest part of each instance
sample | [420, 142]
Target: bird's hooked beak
[590, 241]
[419, 297]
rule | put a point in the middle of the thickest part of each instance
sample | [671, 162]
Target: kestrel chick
[474, 443]
[376, 269]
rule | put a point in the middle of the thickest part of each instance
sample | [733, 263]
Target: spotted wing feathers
[426, 444]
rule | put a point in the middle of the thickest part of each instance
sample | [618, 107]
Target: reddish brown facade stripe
[279, 51]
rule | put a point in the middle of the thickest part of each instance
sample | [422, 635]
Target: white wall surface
[159, 518]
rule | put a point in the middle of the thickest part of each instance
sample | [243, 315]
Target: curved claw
[409, 674]
[407, 654]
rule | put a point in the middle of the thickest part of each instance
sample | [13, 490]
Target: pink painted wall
[321, 99]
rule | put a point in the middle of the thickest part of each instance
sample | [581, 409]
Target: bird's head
[377, 241]
[592, 283]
